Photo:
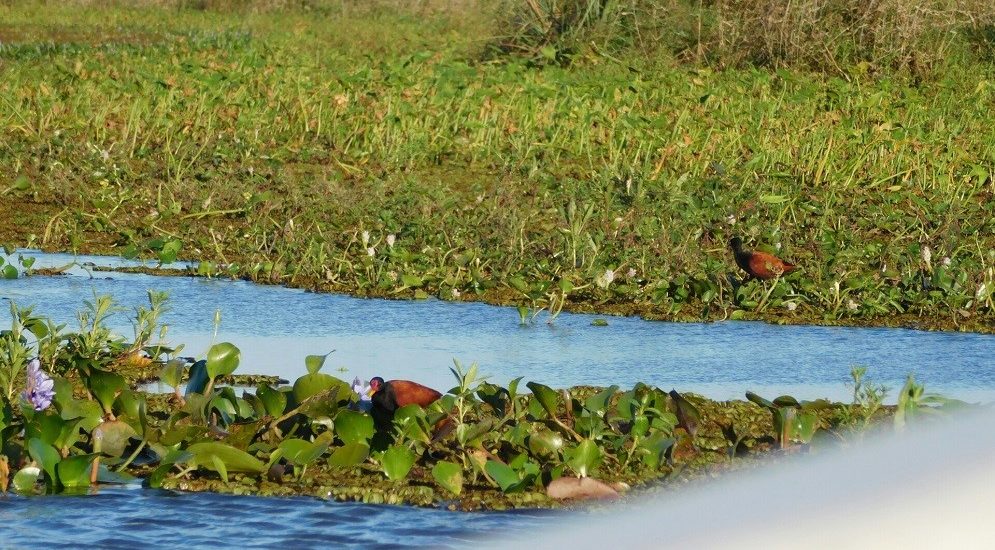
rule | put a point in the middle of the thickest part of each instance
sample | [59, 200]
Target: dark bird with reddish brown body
[760, 265]
[389, 396]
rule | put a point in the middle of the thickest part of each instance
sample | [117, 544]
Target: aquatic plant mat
[546, 154]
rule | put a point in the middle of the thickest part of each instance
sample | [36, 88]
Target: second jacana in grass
[760, 265]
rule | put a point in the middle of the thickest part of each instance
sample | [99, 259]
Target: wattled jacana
[390, 396]
[760, 265]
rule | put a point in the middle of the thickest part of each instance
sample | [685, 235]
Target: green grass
[266, 143]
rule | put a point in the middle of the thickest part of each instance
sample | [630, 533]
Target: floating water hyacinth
[362, 389]
[39, 390]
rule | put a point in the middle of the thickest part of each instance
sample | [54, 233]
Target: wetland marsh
[533, 185]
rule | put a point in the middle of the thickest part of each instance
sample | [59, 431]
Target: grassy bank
[289, 145]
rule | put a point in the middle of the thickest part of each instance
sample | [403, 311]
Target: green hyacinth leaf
[397, 462]
[222, 359]
[274, 401]
[449, 476]
[105, 386]
[313, 363]
[354, 427]
[311, 384]
[26, 480]
[760, 400]
[505, 476]
[172, 372]
[234, 460]
[546, 396]
[112, 437]
[45, 455]
[350, 454]
[584, 458]
[74, 471]
[598, 402]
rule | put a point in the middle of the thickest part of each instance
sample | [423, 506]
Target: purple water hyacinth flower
[40, 388]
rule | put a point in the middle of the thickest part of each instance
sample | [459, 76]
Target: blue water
[144, 518]
[277, 327]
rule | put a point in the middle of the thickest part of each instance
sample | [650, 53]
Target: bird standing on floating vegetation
[760, 265]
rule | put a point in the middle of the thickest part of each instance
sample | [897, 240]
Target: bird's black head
[736, 243]
[376, 383]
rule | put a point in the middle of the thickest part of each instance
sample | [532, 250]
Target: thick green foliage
[611, 183]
